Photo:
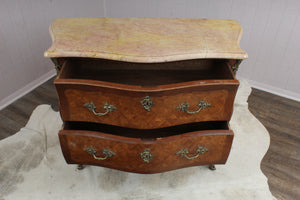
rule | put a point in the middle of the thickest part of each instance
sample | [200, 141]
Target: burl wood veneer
[146, 95]
[216, 146]
[126, 88]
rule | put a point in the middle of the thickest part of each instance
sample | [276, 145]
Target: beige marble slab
[145, 39]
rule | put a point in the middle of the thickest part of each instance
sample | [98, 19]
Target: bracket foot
[212, 167]
[80, 167]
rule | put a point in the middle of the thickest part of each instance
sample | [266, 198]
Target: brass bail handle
[91, 150]
[108, 107]
[185, 151]
[185, 106]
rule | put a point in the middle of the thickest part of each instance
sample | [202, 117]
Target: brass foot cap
[80, 167]
[212, 167]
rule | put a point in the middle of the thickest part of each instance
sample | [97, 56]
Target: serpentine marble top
[145, 39]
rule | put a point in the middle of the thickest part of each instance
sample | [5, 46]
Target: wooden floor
[281, 164]
[279, 115]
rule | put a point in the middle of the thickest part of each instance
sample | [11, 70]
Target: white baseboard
[274, 90]
[26, 89]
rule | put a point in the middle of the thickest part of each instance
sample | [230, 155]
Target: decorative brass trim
[146, 155]
[147, 103]
[56, 64]
[108, 107]
[185, 106]
[185, 151]
[236, 65]
[91, 150]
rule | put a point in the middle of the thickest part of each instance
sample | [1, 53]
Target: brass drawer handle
[185, 106]
[185, 151]
[108, 107]
[91, 150]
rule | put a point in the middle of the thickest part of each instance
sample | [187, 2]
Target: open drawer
[146, 95]
[146, 151]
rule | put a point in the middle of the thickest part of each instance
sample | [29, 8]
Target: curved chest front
[176, 114]
[146, 95]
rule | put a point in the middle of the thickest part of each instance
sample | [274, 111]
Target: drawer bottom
[145, 155]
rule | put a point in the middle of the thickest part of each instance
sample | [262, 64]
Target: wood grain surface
[75, 90]
[279, 115]
[281, 164]
[128, 150]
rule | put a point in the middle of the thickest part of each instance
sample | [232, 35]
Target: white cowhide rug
[32, 167]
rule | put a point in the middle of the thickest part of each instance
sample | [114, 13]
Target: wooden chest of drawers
[146, 95]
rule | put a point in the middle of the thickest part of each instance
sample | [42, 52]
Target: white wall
[271, 36]
[24, 37]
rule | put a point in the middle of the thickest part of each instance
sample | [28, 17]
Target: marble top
[145, 39]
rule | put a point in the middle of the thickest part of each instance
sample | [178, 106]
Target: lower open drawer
[151, 151]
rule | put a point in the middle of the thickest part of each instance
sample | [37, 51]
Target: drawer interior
[148, 134]
[146, 74]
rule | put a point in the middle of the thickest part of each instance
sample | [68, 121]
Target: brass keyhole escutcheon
[146, 155]
[147, 103]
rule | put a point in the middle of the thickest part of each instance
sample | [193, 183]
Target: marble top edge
[145, 39]
[142, 59]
